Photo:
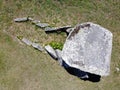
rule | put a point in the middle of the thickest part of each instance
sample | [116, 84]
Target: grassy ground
[23, 68]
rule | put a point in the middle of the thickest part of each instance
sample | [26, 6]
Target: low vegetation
[56, 45]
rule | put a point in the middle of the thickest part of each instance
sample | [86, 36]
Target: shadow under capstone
[58, 32]
[86, 76]
[81, 74]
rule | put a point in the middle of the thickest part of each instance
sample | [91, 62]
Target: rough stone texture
[26, 41]
[51, 51]
[35, 21]
[37, 46]
[48, 29]
[42, 25]
[59, 58]
[24, 19]
[30, 19]
[88, 48]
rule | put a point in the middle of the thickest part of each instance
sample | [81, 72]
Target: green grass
[56, 45]
[24, 68]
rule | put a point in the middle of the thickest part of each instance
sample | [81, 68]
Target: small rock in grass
[117, 69]
[42, 25]
[59, 58]
[51, 51]
[24, 19]
[35, 21]
[48, 29]
[37, 46]
[26, 41]
[30, 19]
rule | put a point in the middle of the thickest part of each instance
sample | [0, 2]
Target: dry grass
[23, 68]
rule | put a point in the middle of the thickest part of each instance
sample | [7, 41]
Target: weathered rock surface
[88, 48]
[49, 29]
[59, 58]
[24, 19]
[42, 25]
[30, 19]
[35, 21]
[51, 51]
[37, 46]
[26, 41]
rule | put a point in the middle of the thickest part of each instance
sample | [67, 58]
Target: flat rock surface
[37, 46]
[51, 51]
[35, 21]
[59, 58]
[26, 41]
[88, 48]
[42, 25]
[24, 19]
[48, 29]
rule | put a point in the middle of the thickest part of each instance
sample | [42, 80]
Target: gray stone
[42, 25]
[88, 48]
[59, 58]
[30, 19]
[84, 76]
[51, 51]
[35, 21]
[117, 69]
[24, 19]
[37, 46]
[48, 29]
[26, 41]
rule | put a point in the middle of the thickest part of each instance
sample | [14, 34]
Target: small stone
[48, 29]
[24, 19]
[35, 21]
[117, 69]
[37, 46]
[30, 19]
[85, 76]
[51, 51]
[42, 25]
[26, 41]
[59, 58]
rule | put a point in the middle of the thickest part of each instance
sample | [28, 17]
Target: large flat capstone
[88, 48]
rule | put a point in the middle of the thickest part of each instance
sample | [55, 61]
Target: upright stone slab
[51, 51]
[88, 48]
